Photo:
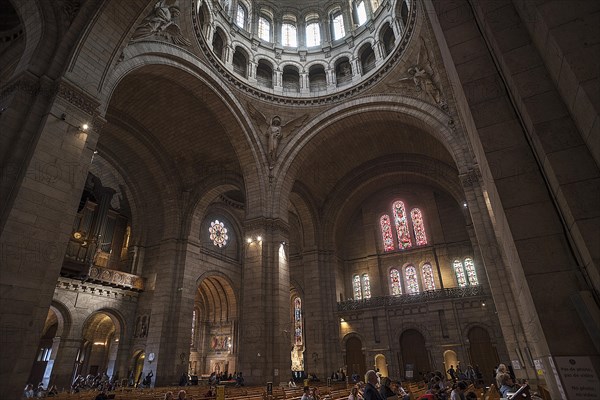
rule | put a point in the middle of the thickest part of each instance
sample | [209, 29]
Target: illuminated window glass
[395, 282]
[298, 321]
[386, 233]
[471, 274]
[338, 27]
[288, 35]
[361, 13]
[428, 281]
[218, 233]
[264, 29]
[366, 287]
[356, 287]
[419, 228]
[313, 34]
[240, 17]
[193, 328]
[412, 283]
[401, 225]
[460, 273]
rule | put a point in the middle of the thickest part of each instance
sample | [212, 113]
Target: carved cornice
[267, 225]
[471, 177]
[116, 278]
[75, 285]
[78, 98]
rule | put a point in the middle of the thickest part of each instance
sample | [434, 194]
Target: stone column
[37, 226]
[264, 339]
[63, 362]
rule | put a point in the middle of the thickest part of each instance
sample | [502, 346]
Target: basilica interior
[280, 188]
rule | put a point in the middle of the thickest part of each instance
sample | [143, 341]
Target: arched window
[240, 16]
[337, 25]
[289, 36]
[264, 28]
[419, 228]
[428, 281]
[193, 328]
[313, 31]
[356, 287]
[361, 13]
[460, 273]
[366, 286]
[412, 283]
[298, 321]
[395, 282]
[471, 274]
[401, 225]
[386, 233]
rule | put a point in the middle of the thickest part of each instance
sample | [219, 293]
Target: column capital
[471, 177]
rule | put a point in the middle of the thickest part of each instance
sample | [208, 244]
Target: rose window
[218, 233]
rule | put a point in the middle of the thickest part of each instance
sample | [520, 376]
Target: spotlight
[84, 127]
[465, 204]
[259, 238]
[249, 240]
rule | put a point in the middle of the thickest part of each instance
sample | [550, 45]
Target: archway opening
[450, 360]
[100, 344]
[483, 354]
[415, 357]
[214, 328]
[355, 358]
[381, 365]
[41, 368]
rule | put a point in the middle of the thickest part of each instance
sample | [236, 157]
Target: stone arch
[306, 211]
[413, 349]
[242, 135]
[413, 112]
[65, 321]
[356, 360]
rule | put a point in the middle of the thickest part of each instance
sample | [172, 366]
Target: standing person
[501, 370]
[28, 393]
[371, 392]
[452, 372]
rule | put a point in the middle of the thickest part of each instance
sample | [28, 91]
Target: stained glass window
[193, 328]
[417, 220]
[356, 286]
[366, 287]
[264, 29]
[428, 281]
[288, 33]
[460, 273]
[412, 283]
[298, 321]
[313, 34]
[471, 274]
[395, 282]
[338, 26]
[361, 13]
[386, 233]
[401, 225]
[240, 18]
[218, 233]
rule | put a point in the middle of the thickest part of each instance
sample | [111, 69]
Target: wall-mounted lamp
[342, 320]
[84, 127]
[259, 238]
[483, 304]
[98, 343]
[63, 117]
[250, 239]
[465, 204]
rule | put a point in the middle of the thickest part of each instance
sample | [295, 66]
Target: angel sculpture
[274, 130]
[160, 22]
[422, 75]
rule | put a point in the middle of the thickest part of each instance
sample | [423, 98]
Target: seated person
[292, 383]
[509, 387]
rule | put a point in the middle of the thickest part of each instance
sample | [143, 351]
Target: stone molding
[78, 98]
[79, 286]
[471, 177]
[269, 225]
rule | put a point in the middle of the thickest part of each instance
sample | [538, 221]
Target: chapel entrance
[355, 358]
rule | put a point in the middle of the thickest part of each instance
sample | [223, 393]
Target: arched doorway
[98, 352]
[415, 359]
[481, 352]
[450, 359]
[45, 348]
[355, 358]
[136, 368]
[381, 365]
[214, 328]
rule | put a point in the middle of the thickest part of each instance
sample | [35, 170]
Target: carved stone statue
[422, 76]
[161, 22]
[274, 130]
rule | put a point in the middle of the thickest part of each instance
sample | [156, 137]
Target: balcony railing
[114, 278]
[432, 295]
